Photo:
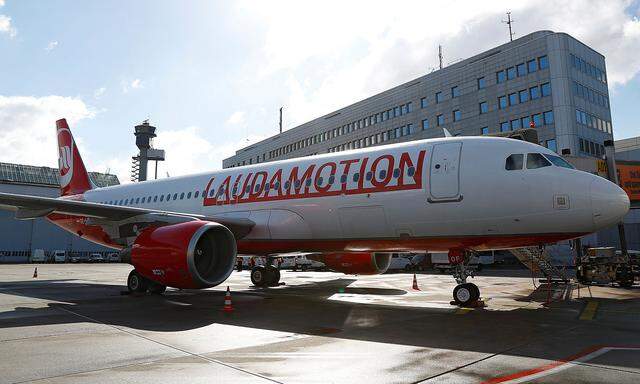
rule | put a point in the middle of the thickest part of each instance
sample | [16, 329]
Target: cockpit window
[514, 162]
[536, 160]
[559, 161]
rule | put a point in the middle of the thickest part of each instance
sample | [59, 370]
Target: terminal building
[547, 80]
[21, 237]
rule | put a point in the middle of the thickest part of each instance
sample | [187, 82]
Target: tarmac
[72, 324]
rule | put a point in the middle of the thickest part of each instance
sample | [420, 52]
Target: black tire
[476, 291]
[136, 283]
[463, 294]
[259, 276]
[273, 275]
[157, 289]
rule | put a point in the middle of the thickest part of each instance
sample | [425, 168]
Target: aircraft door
[444, 174]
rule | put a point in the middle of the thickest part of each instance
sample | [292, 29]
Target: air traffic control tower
[145, 133]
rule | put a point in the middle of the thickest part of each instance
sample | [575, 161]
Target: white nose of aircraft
[609, 202]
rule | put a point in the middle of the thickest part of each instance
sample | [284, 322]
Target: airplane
[351, 209]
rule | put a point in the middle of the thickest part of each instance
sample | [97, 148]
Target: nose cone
[608, 201]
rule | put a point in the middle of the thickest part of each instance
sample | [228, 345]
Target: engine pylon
[228, 307]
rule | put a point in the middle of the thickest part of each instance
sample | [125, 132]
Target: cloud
[51, 46]
[373, 48]
[27, 126]
[6, 27]
[236, 118]
[129, 85]
[99, 92]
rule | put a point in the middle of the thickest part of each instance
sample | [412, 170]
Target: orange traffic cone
[35, 273]
[227, 302]
[415, 283]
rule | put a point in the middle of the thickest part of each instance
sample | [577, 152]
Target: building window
[423, 102]
[410, 128]
[537, 119]
[551, 144]
[455, 92]
[396, 111]
[548, 117]
[515, 124]
[581, 145]
[484, 107]
[511, 73]
[504, 126]
[484, 130]
[513, 98]
[543, 62]
[501, 77]
[546, 89]
[535, 93]
[525, 122]
[438, 97]
[440, 120]
[502, 102]
[425, 124]
[481, 83]
[457, 115]
[521, 69]
[532, 65]
[409, 107]
[524, 95]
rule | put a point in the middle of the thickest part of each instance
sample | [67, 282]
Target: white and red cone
[35, 273]
[415, 283]
[228, 307]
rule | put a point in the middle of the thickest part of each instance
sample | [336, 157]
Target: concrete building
[550, 79]
[20, 237]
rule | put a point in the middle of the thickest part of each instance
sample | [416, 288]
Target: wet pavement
[73, 325]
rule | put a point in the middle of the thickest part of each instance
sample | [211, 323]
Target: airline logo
[357, 175]
[65, 157]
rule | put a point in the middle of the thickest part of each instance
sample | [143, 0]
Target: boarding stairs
[537, 260]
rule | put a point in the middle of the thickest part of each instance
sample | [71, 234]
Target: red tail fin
[74, 178]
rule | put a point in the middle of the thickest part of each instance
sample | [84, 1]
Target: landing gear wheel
[157, 289]
[273, 275]
[465, 294]
[136, 283]
[259, 276]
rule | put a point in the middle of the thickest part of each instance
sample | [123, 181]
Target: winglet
[73, 175]
[447, 133]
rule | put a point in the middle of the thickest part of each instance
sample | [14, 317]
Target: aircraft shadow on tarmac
[305, 309]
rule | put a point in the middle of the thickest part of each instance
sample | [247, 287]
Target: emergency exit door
[444, 174]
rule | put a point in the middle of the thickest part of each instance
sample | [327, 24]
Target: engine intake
[195, 254]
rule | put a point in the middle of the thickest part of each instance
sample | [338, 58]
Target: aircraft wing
[31, 207]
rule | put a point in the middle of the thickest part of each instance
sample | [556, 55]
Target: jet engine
[355, 263]
[194, 254]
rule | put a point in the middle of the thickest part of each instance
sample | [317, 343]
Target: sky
[211, 75]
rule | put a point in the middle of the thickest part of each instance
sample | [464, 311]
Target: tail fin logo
[65, 159]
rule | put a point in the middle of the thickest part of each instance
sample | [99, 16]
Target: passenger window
[182, 196]
[287, 184]
[396, 173]
[297, 184]
[161, 197]
[137, 200]
[308, 182]
[189, 195]
[356, 177]
[320, 180]
[383, 174]
[411, 171]
[276, 185]
[343, 179]
[368, 176]
[126, 202]
[536, 160]
[514, 162]
[175, 196]
[195, 196]
[331, 179]
[168, 197]
[155, 198]
[143, 200]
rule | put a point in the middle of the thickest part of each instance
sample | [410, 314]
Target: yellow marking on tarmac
[589, 310]
[463, 311]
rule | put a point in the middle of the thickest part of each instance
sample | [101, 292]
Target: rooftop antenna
[281, 119]
[509, 22]
[440, 55]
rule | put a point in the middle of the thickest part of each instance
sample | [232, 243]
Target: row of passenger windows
[376, 139]
[591, 148]
[587, 68]
[155, 198]
[516, 161]
[522, 69]
[593, 121]
[376, 118]
[524, 95]
[590, 95]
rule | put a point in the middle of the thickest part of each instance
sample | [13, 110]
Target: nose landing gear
[464, 294]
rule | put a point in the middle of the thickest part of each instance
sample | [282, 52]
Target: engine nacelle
[194, 254]
[356, 263]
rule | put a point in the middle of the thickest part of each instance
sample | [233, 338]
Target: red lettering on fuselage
[383, 174]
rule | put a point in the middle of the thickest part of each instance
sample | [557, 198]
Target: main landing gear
[265, 276]
[464, 294]
[136, 283]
